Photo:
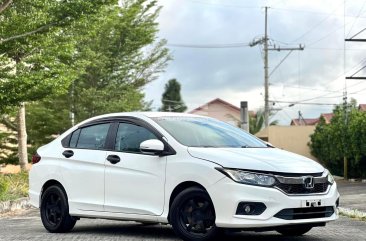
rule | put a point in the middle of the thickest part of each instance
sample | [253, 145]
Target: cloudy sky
[315, 75]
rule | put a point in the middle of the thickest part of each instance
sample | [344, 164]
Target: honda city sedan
[198, 174]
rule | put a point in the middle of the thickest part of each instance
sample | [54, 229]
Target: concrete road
[28, 226]
[353, 195]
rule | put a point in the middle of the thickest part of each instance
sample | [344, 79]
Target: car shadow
[165, 232]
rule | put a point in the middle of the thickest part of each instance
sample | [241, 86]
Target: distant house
[311, 121]
[362, 107]
[220, 110]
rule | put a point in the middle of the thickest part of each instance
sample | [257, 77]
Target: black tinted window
[129, 137]
[74, 138]
[93, 137]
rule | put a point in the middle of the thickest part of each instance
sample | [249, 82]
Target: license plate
[311, 203]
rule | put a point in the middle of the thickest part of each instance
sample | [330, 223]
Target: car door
[134, 182]
[83, 167]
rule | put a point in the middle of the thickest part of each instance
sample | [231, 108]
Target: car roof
[141, 115]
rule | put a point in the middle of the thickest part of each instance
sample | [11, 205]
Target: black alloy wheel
[193, 215]
[55, 211]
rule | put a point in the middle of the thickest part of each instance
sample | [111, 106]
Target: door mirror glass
[152, 146]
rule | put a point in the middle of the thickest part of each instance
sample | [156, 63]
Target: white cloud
[237, 74]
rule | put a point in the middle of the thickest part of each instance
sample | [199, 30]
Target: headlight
[330, 178]
[250, 178]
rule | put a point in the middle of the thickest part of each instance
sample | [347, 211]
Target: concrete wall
[221, 112]
[290, 138]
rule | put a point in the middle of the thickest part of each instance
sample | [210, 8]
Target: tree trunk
[22, 138]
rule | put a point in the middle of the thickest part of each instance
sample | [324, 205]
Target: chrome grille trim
[292, 186]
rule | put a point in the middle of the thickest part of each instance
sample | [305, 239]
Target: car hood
[260, 159]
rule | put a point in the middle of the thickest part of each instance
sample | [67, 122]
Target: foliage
[13, 186]
[331, 142]
[171, 99]
[36, 49]
[121, 56]
[256, 122]
[117, 55]
[8, 139]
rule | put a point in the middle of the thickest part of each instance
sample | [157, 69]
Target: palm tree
[256, 122]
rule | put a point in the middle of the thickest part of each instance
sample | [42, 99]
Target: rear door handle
[68, 153]
[113, 159]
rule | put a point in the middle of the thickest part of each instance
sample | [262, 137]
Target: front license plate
[311, 203]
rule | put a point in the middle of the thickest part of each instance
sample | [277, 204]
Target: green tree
[330, 143]
[256, 122]
[36, 52]
[171, 99]
[118, 55]
[122, 55]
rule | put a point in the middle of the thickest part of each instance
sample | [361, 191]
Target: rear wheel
[294, 231]
[192, 215]
[55, 211]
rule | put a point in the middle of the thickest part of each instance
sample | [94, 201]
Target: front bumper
[227, 194]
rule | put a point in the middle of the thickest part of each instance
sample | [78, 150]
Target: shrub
[13, 186]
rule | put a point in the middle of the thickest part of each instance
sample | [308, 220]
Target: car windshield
[207, 132]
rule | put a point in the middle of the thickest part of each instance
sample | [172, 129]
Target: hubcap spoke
[197, 215]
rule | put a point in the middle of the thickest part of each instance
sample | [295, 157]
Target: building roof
[362, 107]
[304, 121]
[217, 100]
[312, 121]
[327, 117]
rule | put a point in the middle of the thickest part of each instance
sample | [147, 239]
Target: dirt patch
[12, 169]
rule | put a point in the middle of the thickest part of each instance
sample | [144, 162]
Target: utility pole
[264, 40]
[345, 104]
[266, 82]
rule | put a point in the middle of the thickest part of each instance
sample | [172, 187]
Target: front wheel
[55, 211]
[294, 231]
[192, 215]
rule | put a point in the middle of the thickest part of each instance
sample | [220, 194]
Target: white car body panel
[139, 187]
[268, 159]
[133, 171]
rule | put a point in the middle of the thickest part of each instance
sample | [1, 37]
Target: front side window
[92, 137]
[130, 136]
[207, 132]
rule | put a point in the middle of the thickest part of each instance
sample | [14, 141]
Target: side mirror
[152, 146]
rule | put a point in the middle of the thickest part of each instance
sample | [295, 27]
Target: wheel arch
[49, 183]
[181, 187]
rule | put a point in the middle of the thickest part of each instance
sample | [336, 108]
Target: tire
[55, 211]
[192, 216]
[294, 231]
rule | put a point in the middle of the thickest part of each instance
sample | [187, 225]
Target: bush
[13, 186]
[331, 142]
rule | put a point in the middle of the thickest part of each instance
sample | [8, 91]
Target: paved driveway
[28, 227]
[353, 195]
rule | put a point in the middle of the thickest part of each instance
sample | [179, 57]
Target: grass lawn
[13, 186]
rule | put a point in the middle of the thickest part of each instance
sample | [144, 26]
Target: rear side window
[129, 137]
[74, 138]
[91, 137]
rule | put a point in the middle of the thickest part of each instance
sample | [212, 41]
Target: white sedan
[196, 173]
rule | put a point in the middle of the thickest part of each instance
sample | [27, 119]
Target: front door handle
[68, 153]
[113, 159]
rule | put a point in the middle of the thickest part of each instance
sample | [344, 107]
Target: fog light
[250, 208]
[337, 203]
[247, 209]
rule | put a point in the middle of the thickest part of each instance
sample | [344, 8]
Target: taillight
[36, 158]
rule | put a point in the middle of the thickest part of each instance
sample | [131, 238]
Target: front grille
[300, 188]
[305, 213]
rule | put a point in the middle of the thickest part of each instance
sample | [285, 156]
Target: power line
[223, 5]
[317, 24]
[208, 46]
[358, 15]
